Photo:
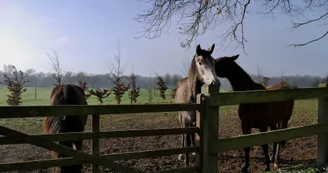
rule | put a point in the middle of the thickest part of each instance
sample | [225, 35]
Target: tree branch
[311, 41]
[197, 17]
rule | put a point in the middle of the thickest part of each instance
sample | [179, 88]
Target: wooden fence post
[208, 122]
[322, 140]
[95, 141]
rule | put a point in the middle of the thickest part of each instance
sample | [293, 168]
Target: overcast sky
[85, 34]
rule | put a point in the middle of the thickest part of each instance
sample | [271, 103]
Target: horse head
[202, 66]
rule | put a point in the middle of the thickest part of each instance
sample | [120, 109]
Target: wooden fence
[208, 104]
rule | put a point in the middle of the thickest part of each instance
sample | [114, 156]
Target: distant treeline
[41, 79]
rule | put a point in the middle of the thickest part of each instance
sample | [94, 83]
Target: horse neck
[194, 84]
[241, 81]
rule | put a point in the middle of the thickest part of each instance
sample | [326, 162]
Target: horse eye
[200, 63]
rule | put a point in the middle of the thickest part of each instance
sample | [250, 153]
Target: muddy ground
[298, 151]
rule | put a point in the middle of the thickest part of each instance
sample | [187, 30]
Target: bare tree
[259, 75]
[134, 90]
[117, 71]
[83, 85]
[150, 94]
[197, 17]
[57, 69]
[265, 81]
[162, 86]
[101, 94]
[15, 81]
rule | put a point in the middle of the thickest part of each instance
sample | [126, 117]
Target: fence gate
[17, 136]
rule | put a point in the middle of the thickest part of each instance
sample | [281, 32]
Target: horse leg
[283, 125]
[182, 125]
[193, 140]
[246, 130]
[183, 144]
[265, 148]
[188, 143]
[276, 157]
[65, 169]
[274, 145]
[77, 145]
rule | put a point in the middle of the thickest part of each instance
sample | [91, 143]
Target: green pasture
[43, 95]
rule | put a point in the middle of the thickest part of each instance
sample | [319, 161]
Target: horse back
[277, 87]
[66, 95]
[183, 93]
[266, 114]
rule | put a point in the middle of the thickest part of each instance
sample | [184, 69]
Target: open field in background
[297, 152]
[43, 95]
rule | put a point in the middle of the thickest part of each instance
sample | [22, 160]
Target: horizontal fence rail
[95, 110]
[41, 111]
[260, 96]
[238, 142]
[43, 164]
[111, 134]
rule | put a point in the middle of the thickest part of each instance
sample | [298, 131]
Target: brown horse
[67, 95]
[257, 115]
[201, 72]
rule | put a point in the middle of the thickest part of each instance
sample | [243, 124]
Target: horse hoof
[193, 153]
[276, 165]
[180, 157]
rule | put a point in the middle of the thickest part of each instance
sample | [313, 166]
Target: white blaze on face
[206, 71]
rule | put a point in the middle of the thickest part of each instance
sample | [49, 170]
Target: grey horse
[201, 72]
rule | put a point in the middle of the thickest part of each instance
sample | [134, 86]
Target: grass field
[298, 153]
[43, 95]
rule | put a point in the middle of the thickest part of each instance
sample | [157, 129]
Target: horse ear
[198, 50]
[211, 49]
[235, 57]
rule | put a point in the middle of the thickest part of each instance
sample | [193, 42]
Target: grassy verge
[310, 167]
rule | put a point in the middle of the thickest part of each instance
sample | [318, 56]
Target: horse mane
[192, 78]
[180, 82]
[238, 70]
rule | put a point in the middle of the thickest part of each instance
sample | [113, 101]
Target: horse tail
[68, 99]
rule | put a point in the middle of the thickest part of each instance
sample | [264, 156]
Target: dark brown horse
[201, 72]
[258, 115]
[67, 95]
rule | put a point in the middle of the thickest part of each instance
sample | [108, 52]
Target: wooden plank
[38, 164]
[111, 134]
[151, 153]
[322, 140]
[209, 126]
[40, 142]
[41, 111]
[95, 141]
[178, 170]
[255, 139]
[234, 98]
